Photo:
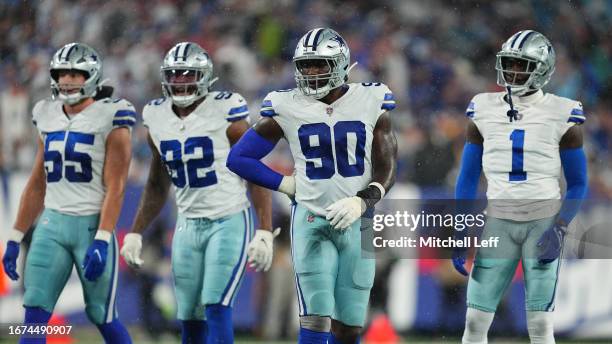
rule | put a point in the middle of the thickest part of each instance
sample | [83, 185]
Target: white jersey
[195, 149]
[521, 158]
[75, 149]
[331, 144]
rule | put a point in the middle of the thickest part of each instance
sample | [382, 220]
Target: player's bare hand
[132, 246]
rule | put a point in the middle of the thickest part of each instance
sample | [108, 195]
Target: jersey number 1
[176, 166]
[518, 142]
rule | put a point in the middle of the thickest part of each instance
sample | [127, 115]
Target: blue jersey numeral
[518, 142]
[316, 143]
[54, 173]
[176, 166]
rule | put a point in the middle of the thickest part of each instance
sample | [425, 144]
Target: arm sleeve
[245, 160]
[469, 173]
[575, 170]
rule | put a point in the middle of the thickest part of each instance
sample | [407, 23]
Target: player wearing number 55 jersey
[78, 177]
[344, 151]
[520, 139]
[190, 134]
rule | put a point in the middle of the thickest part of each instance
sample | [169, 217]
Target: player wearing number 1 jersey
[520, 139]
[190, 134]
[344, 151]
[78, 177]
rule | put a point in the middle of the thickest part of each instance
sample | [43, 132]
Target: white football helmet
[190, 62]
[80, 57]
[327, 46]
[537, 57]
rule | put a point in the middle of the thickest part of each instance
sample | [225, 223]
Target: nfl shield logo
[310, 218]
[330, 110]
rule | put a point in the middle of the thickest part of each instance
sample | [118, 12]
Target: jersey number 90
[181, 175]
[322, 149]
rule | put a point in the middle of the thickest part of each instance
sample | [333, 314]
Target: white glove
[344, 212]
[132, 245]
[261, 249]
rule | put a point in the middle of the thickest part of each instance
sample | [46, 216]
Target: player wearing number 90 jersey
[191, 131]
[520, 139]
[80, 170]
[344, 152]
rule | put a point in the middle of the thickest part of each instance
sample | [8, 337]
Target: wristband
[103, 235]
[16, 235]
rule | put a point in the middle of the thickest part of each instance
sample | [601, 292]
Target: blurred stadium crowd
[434, 55]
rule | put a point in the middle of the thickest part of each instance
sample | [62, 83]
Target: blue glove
[95, 260]
[550, 243]
[459, 261]
[10, 260]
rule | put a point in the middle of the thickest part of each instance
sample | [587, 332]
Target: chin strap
[212, 81]
[351, 67]
[512, 113]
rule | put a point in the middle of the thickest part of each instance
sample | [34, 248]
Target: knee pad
[477, 325]
[315, 323]
[540, 327]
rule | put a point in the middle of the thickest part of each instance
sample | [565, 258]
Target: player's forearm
[245, 160]
[469, 173]
[151, 204]
[384, 166]
[575, 170]
[111, 207]
[262, 201]
[31, 205]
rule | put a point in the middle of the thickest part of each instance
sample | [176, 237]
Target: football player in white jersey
[191, 131]
[521, 138]
[77, 182]
[344, 150]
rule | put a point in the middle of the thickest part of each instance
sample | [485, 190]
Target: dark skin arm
[473, 135]
[384, 152]
[155, 192]
[572, 138]
[262, 198]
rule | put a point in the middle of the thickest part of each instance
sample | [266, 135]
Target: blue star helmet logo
[338, 39]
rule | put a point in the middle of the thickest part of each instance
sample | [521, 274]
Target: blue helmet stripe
[69, 51]
[307, 38]
[525, 39]
[176, 52]
[315, 41]
[186, 51]
[516, 36]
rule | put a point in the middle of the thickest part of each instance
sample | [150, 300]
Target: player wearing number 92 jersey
[344, 151]
[81, 170]
[520, 139]
[191, 131]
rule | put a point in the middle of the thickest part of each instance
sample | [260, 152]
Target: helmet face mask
[321, 61]
[186, 74]
[525, 63]
[69, 61]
